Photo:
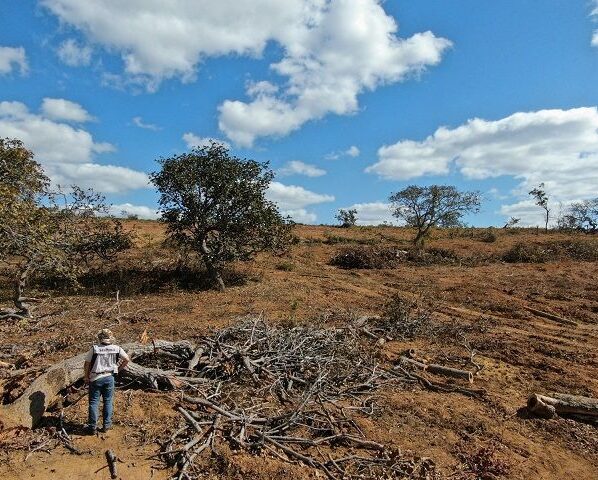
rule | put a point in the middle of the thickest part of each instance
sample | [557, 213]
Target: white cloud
[293, 197]
[300, 215]
[527, 211]
[74, 55]
[193, 140]
[141, 211]
[13, 58]
[292, 200]
[333, 51]
[65, 110]
[66, 153]
[374, 213]
[295, 167]
[352, 151]
[138, 122]
[557, 147]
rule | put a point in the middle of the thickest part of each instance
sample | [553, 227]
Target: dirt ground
[481, 297]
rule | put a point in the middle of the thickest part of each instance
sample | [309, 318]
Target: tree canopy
[435, 206]
[48, 231]
[216, 205]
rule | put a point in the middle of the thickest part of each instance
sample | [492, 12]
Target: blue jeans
[104, 387]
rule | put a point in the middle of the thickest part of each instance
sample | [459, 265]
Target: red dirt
[521, 353]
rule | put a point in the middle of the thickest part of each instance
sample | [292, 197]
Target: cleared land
[471, 294]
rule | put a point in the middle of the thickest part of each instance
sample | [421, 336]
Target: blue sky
[349, 100]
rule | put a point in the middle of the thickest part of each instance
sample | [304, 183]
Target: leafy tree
[347, 218]
[45, 231]
[541, 197]
[435, 206]
[215, 204]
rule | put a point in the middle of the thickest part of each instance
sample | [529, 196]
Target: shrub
[528, 253]
[286, 267]
[544, 252]
[406, 319]
[487, 236]
[366, 257]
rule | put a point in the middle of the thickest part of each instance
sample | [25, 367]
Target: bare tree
[435, 206]
[582, 215]
[45, 231]
[215, 204]
[511, 222]
[541, 197]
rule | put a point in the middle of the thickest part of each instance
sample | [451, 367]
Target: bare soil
[474, 294]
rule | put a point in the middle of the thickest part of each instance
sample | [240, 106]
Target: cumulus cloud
[292, 200]
[352, 151]
[73, 54]
[296, 167]
[13, 58]
[300, 215]
[193, 140]
[138, 122]
[126, 209]
[66, 153]
[65, 110]
[557, 147]
[293, 197]
[332, 51]
[373, 213]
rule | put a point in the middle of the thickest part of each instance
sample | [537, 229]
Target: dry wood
[561, 403]
[551, 316]
[440, 369]
[111, 459]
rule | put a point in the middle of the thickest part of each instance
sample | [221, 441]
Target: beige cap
[105, 336]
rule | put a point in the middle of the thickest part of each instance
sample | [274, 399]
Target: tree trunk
[420, 239]
[562, 403]
[29, 408]
[213, 271]
[19, 300]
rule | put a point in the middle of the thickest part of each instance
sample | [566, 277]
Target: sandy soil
[521, 352]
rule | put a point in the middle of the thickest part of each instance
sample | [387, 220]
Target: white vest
[106, 359]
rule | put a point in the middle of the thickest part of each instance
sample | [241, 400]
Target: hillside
[473, 295]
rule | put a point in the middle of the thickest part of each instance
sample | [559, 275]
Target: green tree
[48, 232]
[541, 198]
[215, 205]
[347, 218]
[425, 208]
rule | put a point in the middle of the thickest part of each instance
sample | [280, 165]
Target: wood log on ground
[562, 403]
[111, 459]
[440, 369]
[28, 409]
[551, 316]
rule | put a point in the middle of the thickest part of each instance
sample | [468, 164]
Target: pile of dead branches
[292, 393]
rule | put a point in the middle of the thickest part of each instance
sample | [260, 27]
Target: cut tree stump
[29, 408]
[562, 403]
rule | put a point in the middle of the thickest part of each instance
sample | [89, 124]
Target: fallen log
[440, 369]
[111, 460]
[28, 409]
[562, 403]
[551, 316]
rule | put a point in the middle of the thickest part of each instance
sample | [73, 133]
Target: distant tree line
[214, 206]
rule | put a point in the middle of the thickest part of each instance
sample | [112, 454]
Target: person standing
[102, 363]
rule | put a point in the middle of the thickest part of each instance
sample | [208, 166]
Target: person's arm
[87, 366]
[124, 360]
